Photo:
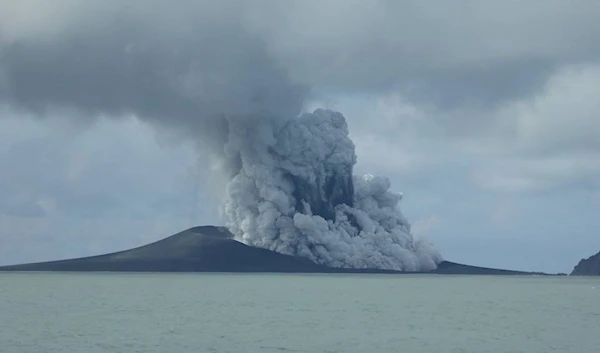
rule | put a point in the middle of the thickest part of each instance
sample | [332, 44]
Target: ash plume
[295, 194]
[291, 186]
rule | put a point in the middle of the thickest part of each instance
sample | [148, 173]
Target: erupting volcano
[294, 192]
[290, 183]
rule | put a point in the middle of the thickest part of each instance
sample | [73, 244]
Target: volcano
[214, 249]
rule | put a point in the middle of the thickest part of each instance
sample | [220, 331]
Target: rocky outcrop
[588, 267]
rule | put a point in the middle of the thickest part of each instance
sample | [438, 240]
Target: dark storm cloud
[446, 53]
[118, 72]
[127, 65]
[195, 58]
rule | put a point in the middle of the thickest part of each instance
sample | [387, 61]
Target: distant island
[588, 267]
[213, 249]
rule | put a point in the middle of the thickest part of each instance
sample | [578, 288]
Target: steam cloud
[291, 188]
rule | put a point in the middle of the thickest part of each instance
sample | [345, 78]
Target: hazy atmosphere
[483, 114]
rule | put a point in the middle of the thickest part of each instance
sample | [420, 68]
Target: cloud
[564, 116]
[450, 53]
[126, 58]
[153, 57]
[550, 140]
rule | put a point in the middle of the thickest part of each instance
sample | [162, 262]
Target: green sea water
[171, 313]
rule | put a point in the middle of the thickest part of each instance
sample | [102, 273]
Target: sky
[483, 113]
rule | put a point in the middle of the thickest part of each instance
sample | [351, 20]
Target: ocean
[172, 313]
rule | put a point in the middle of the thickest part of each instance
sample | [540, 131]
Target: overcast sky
[485, 114]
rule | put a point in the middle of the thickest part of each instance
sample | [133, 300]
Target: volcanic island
[214, 249]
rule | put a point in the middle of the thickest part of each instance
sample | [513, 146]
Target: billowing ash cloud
[295, 193]
[291, 187]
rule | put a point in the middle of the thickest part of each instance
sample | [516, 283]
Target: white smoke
[295, 194]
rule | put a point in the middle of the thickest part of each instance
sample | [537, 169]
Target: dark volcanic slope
[207, 249]
[452, 268]
[212, 249]
[588, 267]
